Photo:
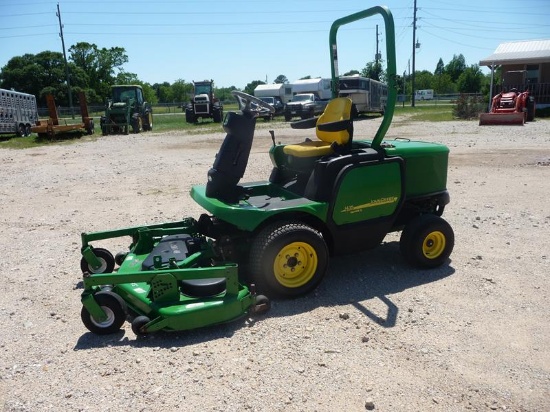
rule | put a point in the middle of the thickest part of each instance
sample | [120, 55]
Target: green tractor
[125, 109]
[330, 195]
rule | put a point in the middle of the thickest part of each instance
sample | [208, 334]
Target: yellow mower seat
[337, 109]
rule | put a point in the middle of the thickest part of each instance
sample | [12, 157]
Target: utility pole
[414, 52]
[377, 55]
[65, 58]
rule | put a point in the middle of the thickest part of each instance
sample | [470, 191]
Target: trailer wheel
[288, 259]
[105, 257]
[20, 132]
[427, 241]
[115, 309]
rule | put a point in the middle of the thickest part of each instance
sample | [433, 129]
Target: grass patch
[425, 113]
[166, 121]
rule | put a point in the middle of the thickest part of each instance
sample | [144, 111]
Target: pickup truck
[304, 105]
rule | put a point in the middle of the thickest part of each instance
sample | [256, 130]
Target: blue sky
[236, 42]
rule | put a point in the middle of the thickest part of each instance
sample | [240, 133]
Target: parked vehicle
[279, 91]
[126, 108]
[427, 94]
[276, 104]
[367, 95]
[319, 86]
[204, 104]
[18, 112]
[510, 108]
[304, 105]
[52, 127]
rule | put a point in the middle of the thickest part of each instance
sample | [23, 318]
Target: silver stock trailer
[367, 95]
[18, 112]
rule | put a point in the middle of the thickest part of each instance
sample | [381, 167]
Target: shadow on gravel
[351, 280]
[163, 340]
[358, 279]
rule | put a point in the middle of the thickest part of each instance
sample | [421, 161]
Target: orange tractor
[509, 108]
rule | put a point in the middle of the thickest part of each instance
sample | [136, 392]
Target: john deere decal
[372, 203]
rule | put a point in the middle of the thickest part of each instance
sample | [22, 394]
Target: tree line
[93, 70]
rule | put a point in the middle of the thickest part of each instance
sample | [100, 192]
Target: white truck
[426, 94]
[310, 97]
[18, 112]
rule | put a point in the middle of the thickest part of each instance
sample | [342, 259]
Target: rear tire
[288, 259]
[427, 241]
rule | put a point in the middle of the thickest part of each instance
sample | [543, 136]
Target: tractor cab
[127, 94]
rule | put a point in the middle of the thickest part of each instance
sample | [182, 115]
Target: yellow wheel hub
[434, 245]
[295, 264]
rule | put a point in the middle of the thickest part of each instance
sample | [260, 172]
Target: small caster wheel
[138, 324]
[115, 310]
[105, 258]
[261, 305]
[119, 257]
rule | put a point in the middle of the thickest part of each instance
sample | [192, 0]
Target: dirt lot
[472, 335]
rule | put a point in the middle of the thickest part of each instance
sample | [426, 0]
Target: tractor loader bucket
[494, 119]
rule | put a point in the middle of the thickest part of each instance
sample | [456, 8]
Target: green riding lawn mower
[330, 195]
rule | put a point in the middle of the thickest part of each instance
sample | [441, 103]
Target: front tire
[115, 309]
[288, 259]
[106, 259]
[427, 241]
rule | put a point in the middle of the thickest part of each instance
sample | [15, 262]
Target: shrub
[468, 107]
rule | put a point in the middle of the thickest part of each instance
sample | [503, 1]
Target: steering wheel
[245, 103]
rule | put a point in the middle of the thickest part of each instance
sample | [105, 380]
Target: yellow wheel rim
[295, 264]
[434, 245]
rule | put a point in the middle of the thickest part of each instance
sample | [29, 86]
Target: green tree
[164, 92]
[351, 73]
[440, 68]
[281, 79]
[470, 80]
[442, 84]
[181, 90]
[42, 74]
[101, 66]
[455, 67]
[374, 71]
[224, 93]
[424, 80]
[251, 86]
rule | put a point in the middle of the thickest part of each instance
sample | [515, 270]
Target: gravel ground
[376, 335]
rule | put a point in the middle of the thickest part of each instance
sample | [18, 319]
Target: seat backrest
[337, 109]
